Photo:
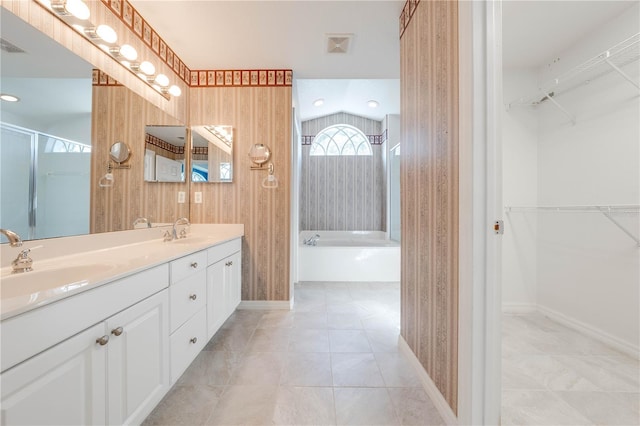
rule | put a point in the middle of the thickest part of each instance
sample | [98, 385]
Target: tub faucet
[183, 233]
[14, 239]
[312, 241]
[141, 220]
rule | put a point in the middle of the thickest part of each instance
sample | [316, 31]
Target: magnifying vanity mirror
[164, 155]
[119, 152]
[212, 153]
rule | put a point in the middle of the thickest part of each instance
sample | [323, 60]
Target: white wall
[587, 269]
[520, 188]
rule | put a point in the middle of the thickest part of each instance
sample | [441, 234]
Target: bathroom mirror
[46, 135]
[212, 153]
[164, 154]
[119, 152]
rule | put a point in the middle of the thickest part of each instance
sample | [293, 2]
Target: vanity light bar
[76, 14]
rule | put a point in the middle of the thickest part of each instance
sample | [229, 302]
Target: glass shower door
[16, 180]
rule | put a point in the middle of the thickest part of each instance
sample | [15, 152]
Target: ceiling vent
[338, 43]
[9, 47]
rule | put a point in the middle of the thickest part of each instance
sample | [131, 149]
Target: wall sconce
[76, 14]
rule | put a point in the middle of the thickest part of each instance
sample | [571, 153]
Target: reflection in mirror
[164, 155]
[119, 152]
[46, 135]
[212, 153]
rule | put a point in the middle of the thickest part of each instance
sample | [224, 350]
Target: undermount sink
[58, 279]
[190, 240]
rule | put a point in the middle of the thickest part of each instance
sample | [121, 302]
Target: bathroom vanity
[106, 323]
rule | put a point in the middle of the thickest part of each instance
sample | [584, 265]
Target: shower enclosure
[44, 181]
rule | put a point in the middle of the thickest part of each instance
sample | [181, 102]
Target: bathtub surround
[343, 256]
[343, 193]
[429, 188]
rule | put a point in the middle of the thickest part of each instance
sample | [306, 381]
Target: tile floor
[552, 375]
[332, 360]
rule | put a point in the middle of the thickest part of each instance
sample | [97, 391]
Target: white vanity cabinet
[188, 295]
[109, 354]
[112, 373]
[224, 283]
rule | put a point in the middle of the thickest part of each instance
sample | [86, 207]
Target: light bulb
[77, 8]
[78, 28]
[162, 80]
[128, 52]
[147, 68]
[9, 98]
[373, 104]
[107, 33]
[318, 102]
[175, 90]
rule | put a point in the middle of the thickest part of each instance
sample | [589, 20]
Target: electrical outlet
[181, 197]
[198, 197]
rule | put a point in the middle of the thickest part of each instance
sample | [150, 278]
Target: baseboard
[266, 305]
[592, 331]
[430, 388]
[519, 308]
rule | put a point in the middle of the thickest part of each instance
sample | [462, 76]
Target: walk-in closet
[571, 194]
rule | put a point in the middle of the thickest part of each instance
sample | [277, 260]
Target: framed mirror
[212, 153]
[164, 154]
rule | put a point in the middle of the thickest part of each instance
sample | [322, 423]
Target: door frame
[480, 248]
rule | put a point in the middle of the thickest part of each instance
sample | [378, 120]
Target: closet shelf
[607, 211]
[611, 60]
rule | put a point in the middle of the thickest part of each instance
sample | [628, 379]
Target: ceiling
[292, 34]
[536, 31]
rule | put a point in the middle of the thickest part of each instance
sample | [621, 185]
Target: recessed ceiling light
[9, 98]
[318, 102]
[373, 104]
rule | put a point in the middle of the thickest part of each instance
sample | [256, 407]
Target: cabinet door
[65, 384]
[234, 281]
[138, 364]
[216, 297]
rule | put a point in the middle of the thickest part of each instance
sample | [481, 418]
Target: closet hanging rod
[625, 208]
[611, 60]
[607, 211]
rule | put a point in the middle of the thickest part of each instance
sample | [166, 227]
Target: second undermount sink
[57, 279]
[190, 240]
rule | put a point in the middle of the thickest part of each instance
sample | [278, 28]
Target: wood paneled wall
[258, 115]
[429, 191]
[118, 114]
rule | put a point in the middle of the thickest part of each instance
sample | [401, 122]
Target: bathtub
[348, 256]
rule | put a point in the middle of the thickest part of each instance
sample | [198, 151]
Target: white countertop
[63, 267]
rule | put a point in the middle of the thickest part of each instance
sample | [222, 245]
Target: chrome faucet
[141, 220]
[312, 241]
[14, 239]
[183, 232]
[22, 263]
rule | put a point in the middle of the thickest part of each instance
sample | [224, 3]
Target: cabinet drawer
[187, 297]
[187, 342]
[188, 265]
[223, 250]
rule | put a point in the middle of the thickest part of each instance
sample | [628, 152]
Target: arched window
[341, 139]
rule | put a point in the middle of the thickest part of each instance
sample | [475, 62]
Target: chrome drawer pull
[194, 265]
[193, 297]
[193, 340]
[103, 340]
[117, 331]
